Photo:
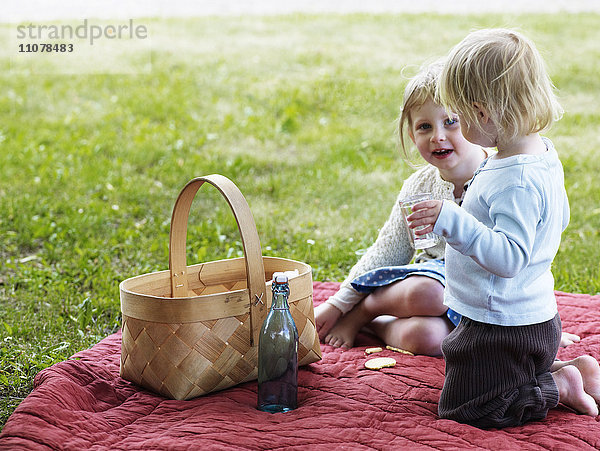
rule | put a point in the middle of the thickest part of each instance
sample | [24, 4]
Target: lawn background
[298, 110]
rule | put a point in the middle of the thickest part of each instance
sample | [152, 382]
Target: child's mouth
[442, 153]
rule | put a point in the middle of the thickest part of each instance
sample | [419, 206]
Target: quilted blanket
[82, 403]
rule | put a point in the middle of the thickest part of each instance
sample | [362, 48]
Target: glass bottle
[278, 353]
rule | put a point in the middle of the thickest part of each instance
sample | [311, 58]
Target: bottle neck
[280, 296]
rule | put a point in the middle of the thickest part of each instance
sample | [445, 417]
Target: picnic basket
[192, 330]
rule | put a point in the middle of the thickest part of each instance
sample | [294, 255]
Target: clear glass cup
[418, 241]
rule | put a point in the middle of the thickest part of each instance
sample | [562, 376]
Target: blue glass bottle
[278, 353]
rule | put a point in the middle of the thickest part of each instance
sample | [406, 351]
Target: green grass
[297, 110]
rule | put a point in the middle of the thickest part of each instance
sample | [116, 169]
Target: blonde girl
[402, 302]
[500, 359]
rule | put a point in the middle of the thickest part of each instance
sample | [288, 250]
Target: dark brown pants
[498, 376]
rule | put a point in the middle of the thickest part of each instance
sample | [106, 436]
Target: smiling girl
[384, 281]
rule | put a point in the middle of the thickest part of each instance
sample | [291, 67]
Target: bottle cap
[280, 277]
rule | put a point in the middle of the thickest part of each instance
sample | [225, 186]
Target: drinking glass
[418, 241]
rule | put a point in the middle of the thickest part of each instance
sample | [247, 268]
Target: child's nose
[438, 135]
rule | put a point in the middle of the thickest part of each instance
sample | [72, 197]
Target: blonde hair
[503, 71]
[420, 88]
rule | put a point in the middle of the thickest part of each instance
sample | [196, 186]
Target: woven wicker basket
[188, 331]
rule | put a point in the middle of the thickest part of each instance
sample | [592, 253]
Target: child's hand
[424, 214]
[326, 315]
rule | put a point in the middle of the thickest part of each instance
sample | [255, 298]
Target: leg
[413, 296]
[421, 335]
[498, 376]
[590, 372]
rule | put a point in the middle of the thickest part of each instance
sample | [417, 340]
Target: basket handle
[255, 272]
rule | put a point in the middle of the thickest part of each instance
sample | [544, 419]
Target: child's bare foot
[344, 332]
[590, 372]
[569, 381]
[567, 339]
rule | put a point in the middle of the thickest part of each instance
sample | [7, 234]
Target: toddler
[500, 359]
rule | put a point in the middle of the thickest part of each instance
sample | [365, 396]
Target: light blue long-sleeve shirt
[502, 241]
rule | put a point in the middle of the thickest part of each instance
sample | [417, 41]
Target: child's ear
[482, 112]
[412, 136]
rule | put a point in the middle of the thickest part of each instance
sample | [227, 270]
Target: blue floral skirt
[381, 277]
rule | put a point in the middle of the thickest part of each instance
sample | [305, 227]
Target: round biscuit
[380, 362]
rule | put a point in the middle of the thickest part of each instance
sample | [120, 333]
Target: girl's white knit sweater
[392, 246]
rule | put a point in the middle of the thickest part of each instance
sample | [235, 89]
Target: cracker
[373, 350]
[403, 351]
[380, 362]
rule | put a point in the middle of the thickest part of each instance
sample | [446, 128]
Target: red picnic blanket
[82, 403]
